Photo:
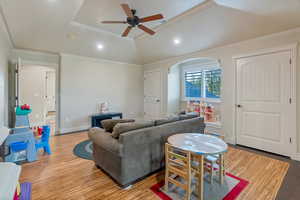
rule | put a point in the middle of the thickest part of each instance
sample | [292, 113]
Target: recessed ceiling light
[176, 41]
[100, 46]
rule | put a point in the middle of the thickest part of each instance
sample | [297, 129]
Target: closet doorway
[265, 101]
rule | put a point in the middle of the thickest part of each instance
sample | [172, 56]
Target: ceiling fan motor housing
[133, 21]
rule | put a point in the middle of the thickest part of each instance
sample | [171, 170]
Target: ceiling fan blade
[152, 18]
[127, 10]
[126, 32]
[147, 30]
[113, 22]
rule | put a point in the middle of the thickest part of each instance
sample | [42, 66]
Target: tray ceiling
[93, 12]
[73, 27]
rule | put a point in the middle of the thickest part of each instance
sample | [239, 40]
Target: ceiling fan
[134, 20]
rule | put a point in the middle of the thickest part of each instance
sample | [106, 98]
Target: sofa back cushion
[109, 124]
[166, 120]
[126, 127]
[188, 116]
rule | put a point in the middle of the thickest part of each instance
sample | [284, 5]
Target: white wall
[174, 90]
[5, 48]
[85, 82]
[225, 54]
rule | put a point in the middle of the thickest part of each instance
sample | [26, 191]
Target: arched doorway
[194, 80]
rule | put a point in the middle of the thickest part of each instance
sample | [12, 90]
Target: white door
[152, 94]
[264, 111]
[50, 90]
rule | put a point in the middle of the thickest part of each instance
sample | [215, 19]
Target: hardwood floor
[65, 176]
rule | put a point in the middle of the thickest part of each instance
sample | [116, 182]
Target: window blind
[212, 83]
[193, 84]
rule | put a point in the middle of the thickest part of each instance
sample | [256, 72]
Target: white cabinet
[213, 127]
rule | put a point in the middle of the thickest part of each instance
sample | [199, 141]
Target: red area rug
[232, 193]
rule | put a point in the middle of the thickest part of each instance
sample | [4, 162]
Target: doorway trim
[57, 87]
[293, 49]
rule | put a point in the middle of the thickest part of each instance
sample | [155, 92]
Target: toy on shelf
[203, 109]
[23, 110]
[193, 106]
[209, 113]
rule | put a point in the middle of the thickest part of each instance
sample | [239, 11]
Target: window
[193, 84]
[202, 83]
[213, 83]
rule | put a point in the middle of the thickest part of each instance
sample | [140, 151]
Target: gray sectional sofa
[137, 153]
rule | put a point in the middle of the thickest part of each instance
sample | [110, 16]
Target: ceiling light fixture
[100, 46]
[176, 41]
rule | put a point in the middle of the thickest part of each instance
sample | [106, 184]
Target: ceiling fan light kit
[134, 21]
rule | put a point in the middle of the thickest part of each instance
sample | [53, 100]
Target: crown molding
[98, 60]
[10, 38]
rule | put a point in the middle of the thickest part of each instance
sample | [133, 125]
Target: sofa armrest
[103, 139]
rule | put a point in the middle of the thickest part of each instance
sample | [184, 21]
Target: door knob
[238, 105]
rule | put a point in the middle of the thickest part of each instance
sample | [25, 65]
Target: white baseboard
[296, 156]
[230, 140]
[74, 129]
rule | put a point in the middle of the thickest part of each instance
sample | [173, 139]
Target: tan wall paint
[85, 82]
[225, 55]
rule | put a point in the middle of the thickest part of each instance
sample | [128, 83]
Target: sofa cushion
[109, 124]
[167, 120]
[188, 116]
[104, 140]
[126, 127]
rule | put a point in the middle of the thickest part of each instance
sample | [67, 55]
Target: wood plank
[178, 171]
[177, 183]
[63, 176]
[177, 162]
[171, 154]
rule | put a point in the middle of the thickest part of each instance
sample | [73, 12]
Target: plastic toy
[20, 111]
[25, 107]
[44, 141]
[18, 149]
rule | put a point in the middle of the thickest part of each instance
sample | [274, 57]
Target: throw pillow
[126, 127]
[109, 124]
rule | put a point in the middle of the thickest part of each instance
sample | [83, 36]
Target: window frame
[197, 68]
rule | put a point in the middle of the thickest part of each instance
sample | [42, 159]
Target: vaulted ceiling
[73, 27]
